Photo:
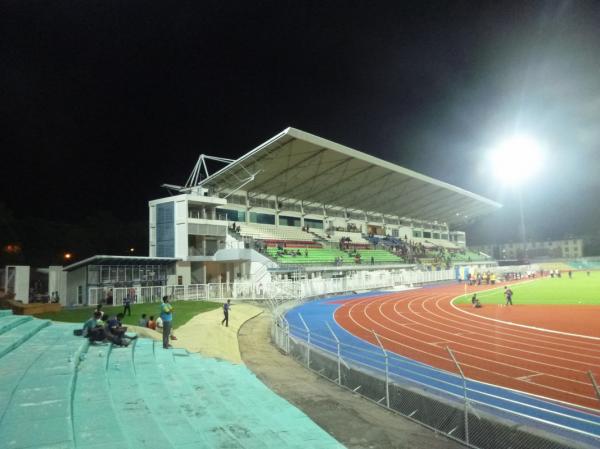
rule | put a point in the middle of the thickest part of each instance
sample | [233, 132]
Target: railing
[278, 291]
[464, 410]
[476, 414]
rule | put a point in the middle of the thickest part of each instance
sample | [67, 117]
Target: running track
[419, 324]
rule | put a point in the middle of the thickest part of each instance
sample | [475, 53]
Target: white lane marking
[372, 302]
[525, 326]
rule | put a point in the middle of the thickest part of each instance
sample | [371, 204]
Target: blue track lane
[317, 313]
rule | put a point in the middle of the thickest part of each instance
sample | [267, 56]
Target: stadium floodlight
[516, 159]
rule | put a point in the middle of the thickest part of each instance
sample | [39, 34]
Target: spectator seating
[293, 243]
[322, 256]
[335, 236]
[272, 232]
[58, 391]
[379, 256]
[326, 256]
[468, 256]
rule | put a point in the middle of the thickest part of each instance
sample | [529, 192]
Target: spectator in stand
[151, 323]
[100, 311]
[93, 329]
[143, 321]
[115, 331]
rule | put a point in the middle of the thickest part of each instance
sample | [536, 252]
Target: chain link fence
[445, 402]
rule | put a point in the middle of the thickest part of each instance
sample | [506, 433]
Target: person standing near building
[226, 308]
[508, 295]
[166, 313]
[127, 305]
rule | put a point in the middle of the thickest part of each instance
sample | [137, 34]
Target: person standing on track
[508, 295]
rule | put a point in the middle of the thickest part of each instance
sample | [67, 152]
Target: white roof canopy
[304, 167]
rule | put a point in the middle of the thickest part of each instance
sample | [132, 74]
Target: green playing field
[581, 289]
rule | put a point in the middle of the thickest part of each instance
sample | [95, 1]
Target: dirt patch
[352, 420]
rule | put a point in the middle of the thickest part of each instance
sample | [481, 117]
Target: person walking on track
[508, 295]
[226, 308]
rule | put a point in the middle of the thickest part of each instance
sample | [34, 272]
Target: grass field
[183, 311]
[581, 290]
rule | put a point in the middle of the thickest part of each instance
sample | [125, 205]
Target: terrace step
[132, 402]
[9, 322]
[37, 390]
[13, 338]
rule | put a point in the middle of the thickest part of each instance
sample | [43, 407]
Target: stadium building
[296, 206]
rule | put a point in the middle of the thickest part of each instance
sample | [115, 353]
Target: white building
[553, 249]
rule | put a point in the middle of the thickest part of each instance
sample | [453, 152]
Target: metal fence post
[339, 355]
[594, 384]
[287, 336]
[387, 371]
[307, 340]
[466, 399]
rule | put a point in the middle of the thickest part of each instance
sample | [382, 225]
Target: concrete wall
[57, 282]
[75, 279]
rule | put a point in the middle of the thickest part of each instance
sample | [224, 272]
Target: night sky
[103, 101]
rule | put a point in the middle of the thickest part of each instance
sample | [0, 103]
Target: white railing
[277, 290]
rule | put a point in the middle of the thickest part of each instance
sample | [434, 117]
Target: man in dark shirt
[508, 295]
[115, 331]
[226, 308]
[127, 305]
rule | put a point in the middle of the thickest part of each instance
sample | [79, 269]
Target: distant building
[553, 249]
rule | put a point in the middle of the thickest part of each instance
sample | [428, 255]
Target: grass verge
[183, 311]
[580, 290]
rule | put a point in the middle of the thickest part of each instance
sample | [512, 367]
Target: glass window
[289, 221]
[426, 234]
[444, 236]
[259, 218]
[165, 229]
[318, 224]
[416, 233]
[436, 235]
[232, 214]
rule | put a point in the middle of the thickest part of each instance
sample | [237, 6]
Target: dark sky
[102, 101]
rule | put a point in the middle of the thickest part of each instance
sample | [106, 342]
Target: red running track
[421, 323]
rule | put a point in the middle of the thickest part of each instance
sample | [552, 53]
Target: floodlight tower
[514, 161]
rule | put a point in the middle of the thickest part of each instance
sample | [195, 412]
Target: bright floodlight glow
[516, 159]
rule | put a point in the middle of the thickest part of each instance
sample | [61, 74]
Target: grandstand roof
[121, 260]
[296, 164]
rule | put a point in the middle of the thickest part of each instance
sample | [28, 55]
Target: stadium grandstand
[299, 201]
